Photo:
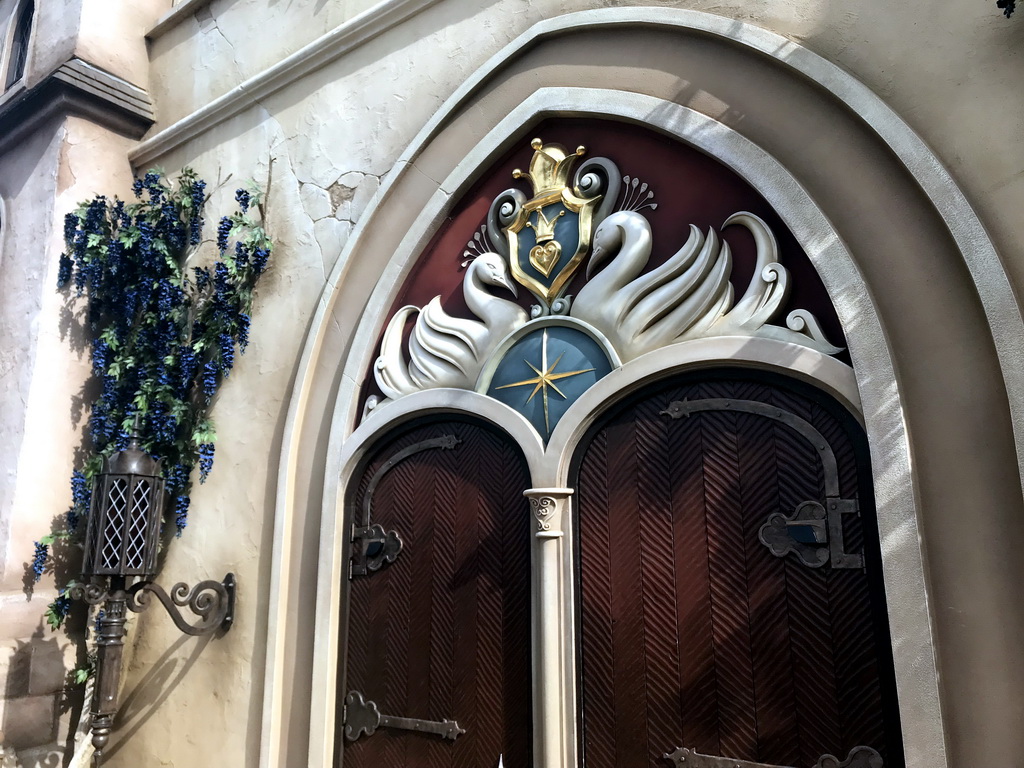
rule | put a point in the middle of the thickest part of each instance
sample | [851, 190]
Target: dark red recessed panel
[689, 187]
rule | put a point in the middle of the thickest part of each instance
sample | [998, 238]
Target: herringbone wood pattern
[693, 634]
[444, 631]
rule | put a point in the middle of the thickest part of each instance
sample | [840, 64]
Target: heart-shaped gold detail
[544, 257]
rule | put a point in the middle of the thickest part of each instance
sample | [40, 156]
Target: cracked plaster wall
[914, 56]
[232, 40]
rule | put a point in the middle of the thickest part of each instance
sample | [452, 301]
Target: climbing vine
[163, 332]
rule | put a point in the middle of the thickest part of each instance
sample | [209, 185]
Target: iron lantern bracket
[213, 602]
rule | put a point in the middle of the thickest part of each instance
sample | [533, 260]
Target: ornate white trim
[640, 312]
[903, 568]
[626, 307]
[883, 416]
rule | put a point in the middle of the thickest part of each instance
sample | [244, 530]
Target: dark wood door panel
[444, 631]
[693, 633]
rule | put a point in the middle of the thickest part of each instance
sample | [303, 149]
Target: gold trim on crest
[549, 173]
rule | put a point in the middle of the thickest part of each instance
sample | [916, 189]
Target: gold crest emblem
[551, 233]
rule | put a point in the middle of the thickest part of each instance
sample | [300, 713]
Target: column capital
[547, 505]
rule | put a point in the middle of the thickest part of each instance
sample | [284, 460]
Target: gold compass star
[545, 378]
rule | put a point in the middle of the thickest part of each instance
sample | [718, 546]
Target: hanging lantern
[124, 521]
[120, 542]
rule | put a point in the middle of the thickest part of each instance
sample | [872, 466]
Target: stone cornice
[77, 88]
[175, 16]
[317, 54]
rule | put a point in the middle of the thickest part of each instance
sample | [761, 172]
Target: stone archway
[908, 207]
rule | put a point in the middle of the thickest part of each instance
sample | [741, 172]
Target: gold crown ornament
[549, 168]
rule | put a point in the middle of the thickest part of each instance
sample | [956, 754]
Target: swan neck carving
[447, 351]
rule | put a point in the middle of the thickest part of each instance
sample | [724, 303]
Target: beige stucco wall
[42, 372]
[327, 139]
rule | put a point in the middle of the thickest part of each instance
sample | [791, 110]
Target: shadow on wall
[32, 697]
[146, 698]
[948, 72]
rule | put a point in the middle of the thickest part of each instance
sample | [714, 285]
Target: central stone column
[549, 507]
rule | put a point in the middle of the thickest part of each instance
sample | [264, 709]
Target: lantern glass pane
[117, 515]
[135, 540]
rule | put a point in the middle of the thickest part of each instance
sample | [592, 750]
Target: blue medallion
[544, 372]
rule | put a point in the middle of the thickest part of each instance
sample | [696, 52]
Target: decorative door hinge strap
[814, 533]
[859, 757]
[372, 546]
[364, 717]
[811, 526]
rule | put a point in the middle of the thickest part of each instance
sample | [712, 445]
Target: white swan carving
[446, 351]
[689, 296]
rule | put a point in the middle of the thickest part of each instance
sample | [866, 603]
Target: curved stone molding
[903, 566]
[878, 384]
[1001, 308]
[799, 362]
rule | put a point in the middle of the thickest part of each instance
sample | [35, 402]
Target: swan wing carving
[448, 351]
[689, 296]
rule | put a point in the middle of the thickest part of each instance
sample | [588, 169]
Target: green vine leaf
[163, 336]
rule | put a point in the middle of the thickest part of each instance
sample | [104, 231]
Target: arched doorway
[438, 620]
[694, 632]
[611, 284]
[881, 414]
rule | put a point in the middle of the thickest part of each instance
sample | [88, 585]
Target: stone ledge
[175, 16]
[358, 30]
[81, 89]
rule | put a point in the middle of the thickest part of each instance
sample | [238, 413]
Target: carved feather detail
[446, 351]
[689, 296]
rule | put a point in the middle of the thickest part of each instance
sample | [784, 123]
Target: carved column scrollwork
[549, 507]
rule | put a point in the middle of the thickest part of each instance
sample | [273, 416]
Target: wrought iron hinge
[859, 757]
[372, 546]
[363, 717]
[814, 533]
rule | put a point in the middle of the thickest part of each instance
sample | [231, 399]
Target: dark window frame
[21, 39]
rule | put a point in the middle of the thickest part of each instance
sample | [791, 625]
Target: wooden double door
[691, 632]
